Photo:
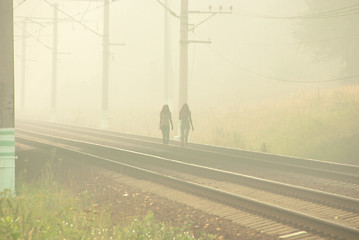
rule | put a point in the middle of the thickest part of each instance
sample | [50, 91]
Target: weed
[45, 209]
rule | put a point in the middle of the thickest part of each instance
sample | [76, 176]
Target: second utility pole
[23, 65]
[183, 63]
[54, 66]
[168, 78]
[105, 66]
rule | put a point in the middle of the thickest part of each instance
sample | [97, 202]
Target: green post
[7, 122]
[7, 159]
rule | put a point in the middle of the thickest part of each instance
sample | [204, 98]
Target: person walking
[186, 123]
[165, 121]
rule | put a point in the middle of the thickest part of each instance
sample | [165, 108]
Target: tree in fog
[329, 29]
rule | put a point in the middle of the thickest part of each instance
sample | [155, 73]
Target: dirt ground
[127, 202]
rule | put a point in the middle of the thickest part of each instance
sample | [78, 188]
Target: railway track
[335, 178]
[273, 207]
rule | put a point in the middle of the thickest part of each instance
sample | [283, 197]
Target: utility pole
[105, 65]
[105, 59]
[183, 67]
[55, 53]
[23, 64]
[7, 121]
[184, 29]
[54, 65]
[168, 78]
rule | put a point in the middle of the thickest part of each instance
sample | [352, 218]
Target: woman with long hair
[186, 123]
[165, 121]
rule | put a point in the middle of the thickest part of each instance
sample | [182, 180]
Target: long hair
[184, 110]
[165, 109]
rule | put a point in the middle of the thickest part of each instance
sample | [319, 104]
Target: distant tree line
[330, 30]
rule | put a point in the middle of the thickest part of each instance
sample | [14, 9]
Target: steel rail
[349, 173]
[322, 197]
[296, 218]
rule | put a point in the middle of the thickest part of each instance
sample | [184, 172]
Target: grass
[320, 125]
[49, 212]
[49, 209]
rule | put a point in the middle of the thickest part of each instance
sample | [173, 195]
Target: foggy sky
[246, 52]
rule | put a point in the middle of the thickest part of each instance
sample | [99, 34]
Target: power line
[281, 44]
[169, 10]
[336, 12]
[95, 8]
[83, 15]
[339, 12]
[31, 35]
[276, 78]
[73, 19]
[35, 7]
[92, 9]
[20, 2]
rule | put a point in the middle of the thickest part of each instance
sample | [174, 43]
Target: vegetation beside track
[48, 208]
[319, 125]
